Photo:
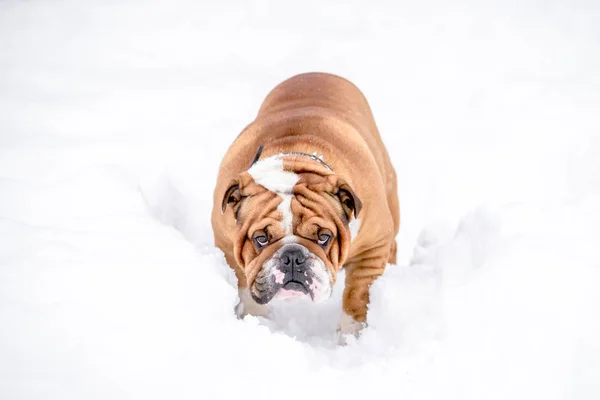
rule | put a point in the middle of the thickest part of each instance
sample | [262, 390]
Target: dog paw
[348, 327]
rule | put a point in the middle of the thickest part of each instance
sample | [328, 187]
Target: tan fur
[328, 115]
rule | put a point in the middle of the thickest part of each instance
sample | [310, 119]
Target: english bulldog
[306, 189]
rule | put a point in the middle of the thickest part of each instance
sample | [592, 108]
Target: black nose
[293, 263]
[293, 257]
[296, 269]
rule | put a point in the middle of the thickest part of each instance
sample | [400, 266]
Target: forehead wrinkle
[269, 215]
[249, 219]
[265, 202]
[314, 216]
[261, 225]
[316, 204]
[327, 202]
[322, 221]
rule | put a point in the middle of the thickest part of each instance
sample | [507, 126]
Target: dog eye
[323, 239]
[261, 241]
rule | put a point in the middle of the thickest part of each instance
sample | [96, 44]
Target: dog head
[291, 230]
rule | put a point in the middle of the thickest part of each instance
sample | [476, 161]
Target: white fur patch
[289, 239]
[279, 276]
[285, 208]
[321, 286]
[269, 173]
[354, 226]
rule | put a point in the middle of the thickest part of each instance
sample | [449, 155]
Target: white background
[114, 117]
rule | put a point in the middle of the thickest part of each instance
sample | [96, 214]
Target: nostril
[293, 258]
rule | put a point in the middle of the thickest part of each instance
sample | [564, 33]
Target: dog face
[291, 232]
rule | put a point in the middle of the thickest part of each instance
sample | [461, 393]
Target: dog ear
[351, 204]
[232, 195]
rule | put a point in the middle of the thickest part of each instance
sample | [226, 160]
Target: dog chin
[286, 294]
[289, 292]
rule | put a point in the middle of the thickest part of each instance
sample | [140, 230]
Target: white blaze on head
[269, 173]
[287, 239]
[285, 208]
[354, 226]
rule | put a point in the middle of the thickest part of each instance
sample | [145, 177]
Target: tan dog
[305, 189]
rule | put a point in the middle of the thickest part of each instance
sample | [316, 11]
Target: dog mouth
[294, 289]
[296, 286]
[291, 289]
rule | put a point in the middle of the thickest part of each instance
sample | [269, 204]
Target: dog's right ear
[351, 204]
[232, 195]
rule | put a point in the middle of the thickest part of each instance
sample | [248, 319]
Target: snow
[114, 117]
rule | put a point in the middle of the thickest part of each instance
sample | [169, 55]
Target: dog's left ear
[232, 195]
[349, 200]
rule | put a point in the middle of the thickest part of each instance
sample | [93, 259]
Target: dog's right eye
[261, 241]
[323, 239]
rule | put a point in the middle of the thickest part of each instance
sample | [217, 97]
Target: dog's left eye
[261, 241]
[323, 239]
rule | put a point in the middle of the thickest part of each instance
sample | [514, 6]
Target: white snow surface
[114, 117]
